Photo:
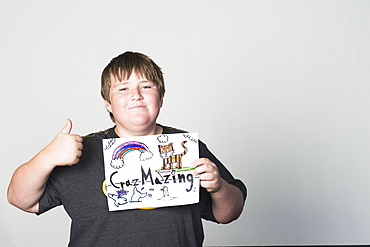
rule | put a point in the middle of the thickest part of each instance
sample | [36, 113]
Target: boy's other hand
[208, 173]
[65, 149]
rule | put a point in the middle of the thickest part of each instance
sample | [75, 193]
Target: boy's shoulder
[104, 134]
[172, 130]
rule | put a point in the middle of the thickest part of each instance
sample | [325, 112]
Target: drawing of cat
[166, 153]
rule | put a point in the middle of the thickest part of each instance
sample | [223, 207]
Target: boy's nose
[136, 95]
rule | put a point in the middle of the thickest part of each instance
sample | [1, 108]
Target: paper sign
[151, 171]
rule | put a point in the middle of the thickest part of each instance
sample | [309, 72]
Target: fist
[65, 149]
[208, 173]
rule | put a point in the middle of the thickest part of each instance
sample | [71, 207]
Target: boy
[70, 171]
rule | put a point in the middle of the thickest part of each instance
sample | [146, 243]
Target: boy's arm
[29, 180]
[227, 199]
[227, 203]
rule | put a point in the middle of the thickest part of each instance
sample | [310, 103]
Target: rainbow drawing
[120, 152]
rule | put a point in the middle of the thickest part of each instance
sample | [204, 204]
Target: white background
[278, 90]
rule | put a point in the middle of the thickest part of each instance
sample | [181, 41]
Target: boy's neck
[155, 130]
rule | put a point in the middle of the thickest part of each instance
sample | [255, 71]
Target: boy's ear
[108, 106]
[161, 101]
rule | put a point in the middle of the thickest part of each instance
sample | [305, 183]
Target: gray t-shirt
[79, 189]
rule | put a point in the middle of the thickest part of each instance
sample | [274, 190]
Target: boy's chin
[138, 122]
[142, 121]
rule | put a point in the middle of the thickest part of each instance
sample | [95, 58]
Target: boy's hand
[65, 149]
[208, 173]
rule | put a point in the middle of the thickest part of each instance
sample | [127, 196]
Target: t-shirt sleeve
[206, 201]
[51, 197]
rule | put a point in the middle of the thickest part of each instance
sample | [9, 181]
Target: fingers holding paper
[208, 173]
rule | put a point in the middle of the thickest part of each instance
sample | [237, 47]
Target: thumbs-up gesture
[65, 149]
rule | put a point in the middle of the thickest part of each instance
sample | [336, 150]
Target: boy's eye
[123, 89]
[147, 87]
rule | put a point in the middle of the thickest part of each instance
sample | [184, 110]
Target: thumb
[67, 128]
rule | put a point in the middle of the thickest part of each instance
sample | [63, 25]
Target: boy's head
[121, 67]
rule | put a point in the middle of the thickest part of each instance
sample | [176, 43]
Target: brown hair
[121, 68]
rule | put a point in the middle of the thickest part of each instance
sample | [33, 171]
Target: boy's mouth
[136, 107]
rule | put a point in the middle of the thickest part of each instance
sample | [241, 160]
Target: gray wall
[279, 90]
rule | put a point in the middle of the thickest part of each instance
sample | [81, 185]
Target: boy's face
[135, 103]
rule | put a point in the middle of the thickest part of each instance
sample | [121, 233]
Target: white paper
[138, 175]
